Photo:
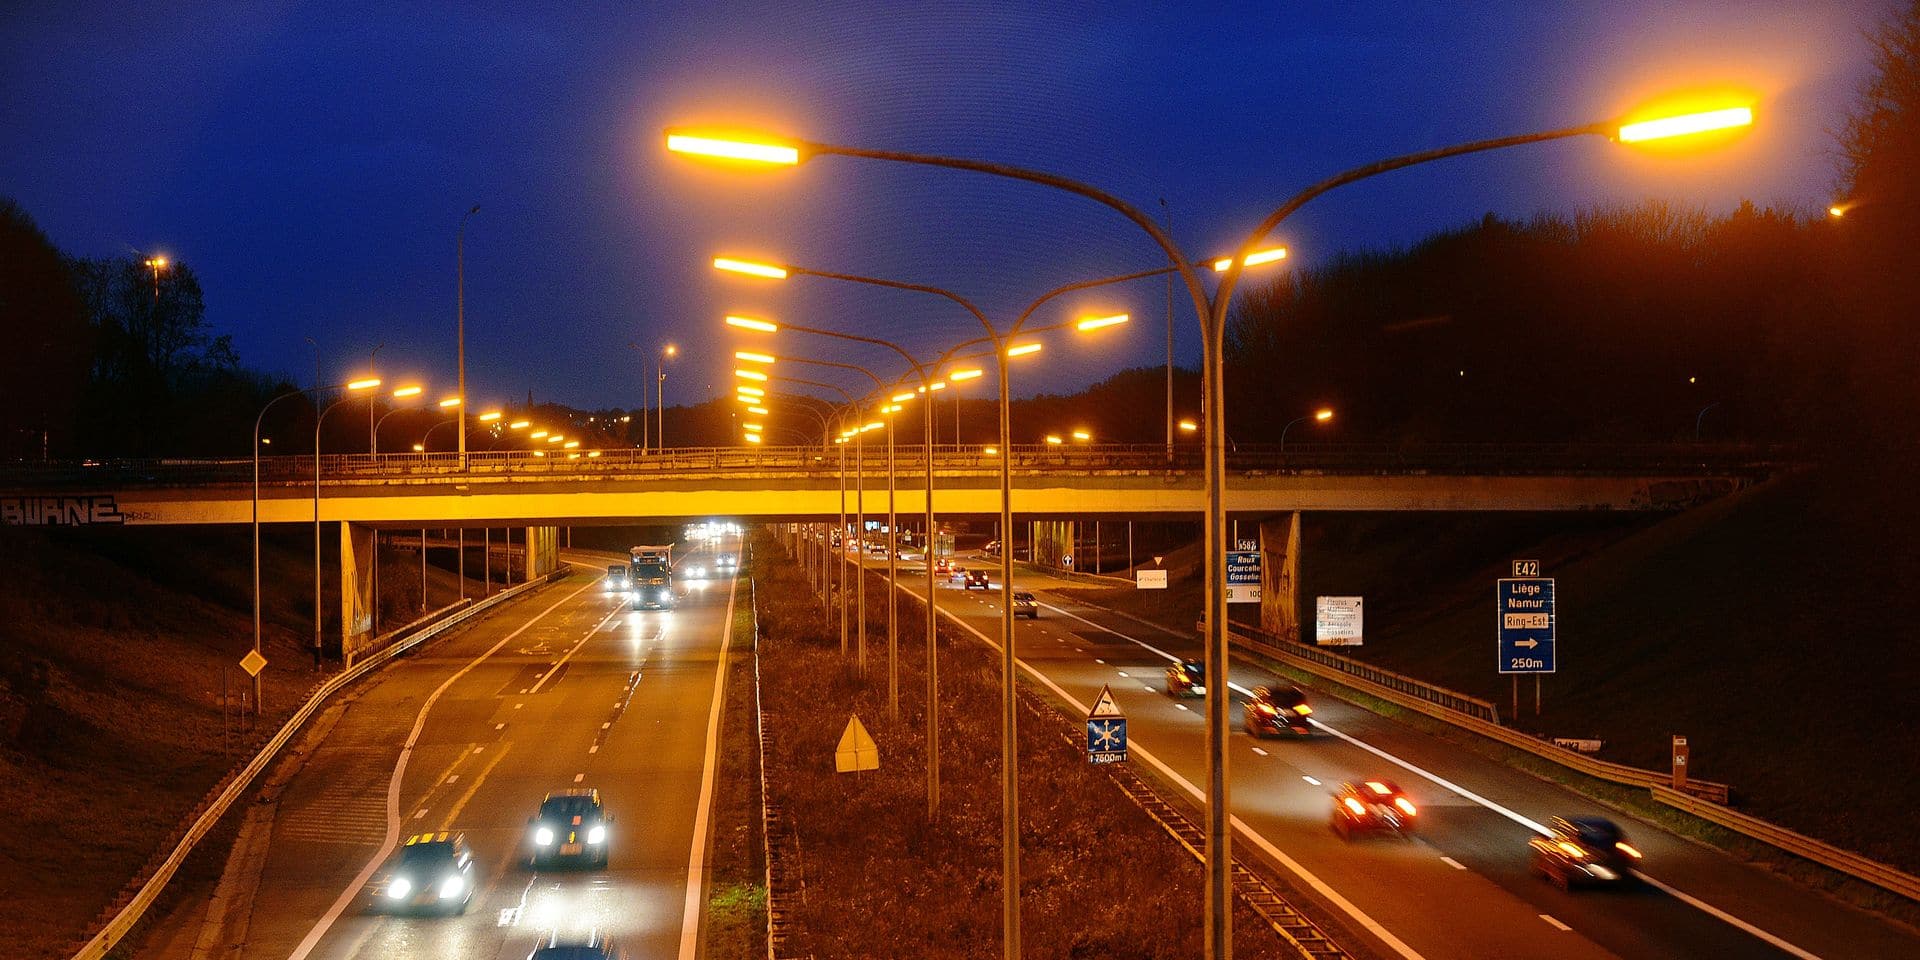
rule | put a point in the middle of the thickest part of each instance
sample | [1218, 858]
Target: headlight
[1303, 709]
[543, 836]
[1200, 688]
[598, 834]
[1600, 873]
[451, 886]
[399, 888]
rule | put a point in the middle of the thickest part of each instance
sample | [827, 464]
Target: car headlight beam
[543, 836]
[399, 888]
[598, 834]
[452, 886]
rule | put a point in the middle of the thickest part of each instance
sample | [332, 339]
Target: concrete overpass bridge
[1053, 487]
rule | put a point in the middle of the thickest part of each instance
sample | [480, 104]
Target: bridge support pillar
[356, 589]
[1280, 576]
[542, 552]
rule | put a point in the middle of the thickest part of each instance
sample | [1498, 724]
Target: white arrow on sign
[1528, 644]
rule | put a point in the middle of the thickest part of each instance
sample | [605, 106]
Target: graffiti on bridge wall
[86, 510]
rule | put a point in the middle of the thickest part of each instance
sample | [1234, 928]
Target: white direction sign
[1150, 579]
[1338, 621]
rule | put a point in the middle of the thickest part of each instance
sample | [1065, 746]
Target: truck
[650, 574]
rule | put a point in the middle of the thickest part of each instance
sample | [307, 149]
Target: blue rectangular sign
[1106, 739]
[1526, 623]
[1243, 576]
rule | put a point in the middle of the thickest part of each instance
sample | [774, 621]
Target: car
[942, 567]
[1188, 678]
[1583, 851]
[432, 872]
[1024, 605]
[1277, 712]
[992, 548]
[590, 947]
[616, 581]
[693, 572]
[1372, 806]
[958, 572]
[726, 563]
[570, 827]
[877, 551]
[977, 578]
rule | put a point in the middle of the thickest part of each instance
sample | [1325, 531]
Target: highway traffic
[567, 691]
[1460, 884]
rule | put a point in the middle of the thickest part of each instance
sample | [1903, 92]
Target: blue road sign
[1525, 616]
[1243, 576]
[1106, 739]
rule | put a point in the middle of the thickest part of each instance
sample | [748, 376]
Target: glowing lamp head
[750, 268]
[1024, 349]
[1054, 439]
[1082, 435]
[451, 402]
[902, 397]
[519, 424]
[1188, 426]
[489, 417]
[752, 357]
[748, 148]
[367, 383]
[1253, 259]
[751, 323]
[1323, 414]
[1096, 323]
[405, 392]
[968, 374]
[753, 375]
[1685, 124]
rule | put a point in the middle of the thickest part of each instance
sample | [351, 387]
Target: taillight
[1303, 709]
[1359, 809]
[1405, 805]
[1627, 848]
[1571, 850]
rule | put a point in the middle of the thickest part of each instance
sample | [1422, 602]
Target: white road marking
[455, 778]
[499, 726]
[1304, 777]
[579, 777]
[353, 888]
[1261, 752]
[1451, 862]
[567, 656]
[420, 814]
[1180, 706]
[697, 858]
[1518, 818]
[1557, 925]
[594, 749]
[1099, 661]
[1122, 673]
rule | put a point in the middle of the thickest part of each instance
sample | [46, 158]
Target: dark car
[977, 578]
[1024, 605]
[1278, 713]
[587, 948]
[992, 549]
[616, 581]
[1372, 806]
[571, 827]
[433, 871]
[1188, 678]
[1583, 851]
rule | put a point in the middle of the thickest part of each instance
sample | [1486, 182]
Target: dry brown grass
[1099, 878]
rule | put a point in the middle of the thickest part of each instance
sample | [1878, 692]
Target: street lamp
[1212, 311]
[1322, 415]
[354, 388]
[667, 352]
[460, 300]
[401, 394]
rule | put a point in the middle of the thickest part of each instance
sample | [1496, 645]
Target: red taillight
[1405, 805]
[1359, 809]
[1627, 848]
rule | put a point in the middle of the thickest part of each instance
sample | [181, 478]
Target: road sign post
[1526, 625]
[1106, 730]
[1681, 753]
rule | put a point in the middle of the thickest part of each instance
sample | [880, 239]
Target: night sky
[312, 161]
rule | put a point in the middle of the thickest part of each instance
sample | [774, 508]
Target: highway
[565, 688]
[1461, 887]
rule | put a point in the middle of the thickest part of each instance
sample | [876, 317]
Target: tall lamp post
[353, 389]
[1322, 415]
[1212, 313]
[667, 352]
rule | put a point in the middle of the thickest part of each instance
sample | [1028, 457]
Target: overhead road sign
[1243, 574]
[1526, 625]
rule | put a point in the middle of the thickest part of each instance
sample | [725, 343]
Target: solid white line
[697, 858]
[1451, 862]
[1516, 817]
[359, 883]
[1557, 925]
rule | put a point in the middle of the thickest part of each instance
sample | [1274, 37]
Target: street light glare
[1836, 211]
[752, 437]
[756, 149]
[749, 323]
[489, 416]
[556, 438]
[872, 426]
[750, 375]
[1095, 323]
[1082, 435]
[1188, 426]
[761, 411]
[519, 424]
[570, 444]
[671, 350]
[407, 392]
[750, 391]
[902, 397]
[1254, 259]
[1053, 439]
[1687, 123]
[751, 357]
[750, 426]
[1323, 414]
[450, 402]
[991, 451]
[537, 434]
[750, 268]
[936, 385]
[968, 374]
[1023, 349]
[366, 384]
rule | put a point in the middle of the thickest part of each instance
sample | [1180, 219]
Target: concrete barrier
[125, 916]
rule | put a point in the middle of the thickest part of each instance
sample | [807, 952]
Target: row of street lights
[1211, 311]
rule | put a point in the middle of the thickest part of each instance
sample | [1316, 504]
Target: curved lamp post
[1212, 313]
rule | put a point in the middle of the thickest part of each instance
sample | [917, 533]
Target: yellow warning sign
[857, 751]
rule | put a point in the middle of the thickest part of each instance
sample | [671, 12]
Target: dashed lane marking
[1451, 862]
[1557, 925]
[1261, 752]
[1310, 780]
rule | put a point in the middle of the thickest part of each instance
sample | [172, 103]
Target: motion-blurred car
[942, 567]
[1583, 851]
[1188, 678]
[1372, 806]
[1024, 605]
[433, 872]
[992, 549]
[1278, 713]
[616, 581]
[977, 578]
[591, 947]
[571, 827]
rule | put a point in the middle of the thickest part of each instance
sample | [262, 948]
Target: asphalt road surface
[1460, 887]
[566, 688]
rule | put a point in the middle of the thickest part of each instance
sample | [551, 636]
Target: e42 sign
[1526, 625]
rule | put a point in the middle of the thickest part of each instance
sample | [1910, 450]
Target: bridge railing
[1303, 459]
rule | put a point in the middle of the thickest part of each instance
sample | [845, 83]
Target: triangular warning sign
[1105, 707]
[857, 751]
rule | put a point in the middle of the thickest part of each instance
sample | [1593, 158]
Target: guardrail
[1798, 844]
[222, 797]
[1432, 693]
[1365, 458]
[1578, 762]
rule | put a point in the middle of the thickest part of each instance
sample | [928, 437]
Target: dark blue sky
[312, 161]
